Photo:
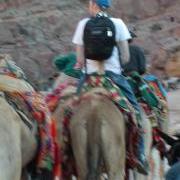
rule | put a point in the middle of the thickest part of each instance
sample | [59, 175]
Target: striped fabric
[115, 94]
[48, 153]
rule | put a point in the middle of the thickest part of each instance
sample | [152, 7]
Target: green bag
[66, 63]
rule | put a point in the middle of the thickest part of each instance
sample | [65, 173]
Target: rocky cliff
[34, 31]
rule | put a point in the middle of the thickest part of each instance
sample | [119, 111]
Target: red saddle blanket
[48, 157]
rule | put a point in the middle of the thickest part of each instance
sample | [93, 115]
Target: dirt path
[174, 107]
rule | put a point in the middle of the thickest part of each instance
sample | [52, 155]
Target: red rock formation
[32, 31]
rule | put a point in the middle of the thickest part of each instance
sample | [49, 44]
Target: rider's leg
[123, 84]
[81, 82]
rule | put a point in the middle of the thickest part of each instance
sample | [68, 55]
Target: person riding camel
[138, 63]
[112, 66]
[146, 85]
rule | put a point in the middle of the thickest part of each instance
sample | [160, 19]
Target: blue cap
[103, 3]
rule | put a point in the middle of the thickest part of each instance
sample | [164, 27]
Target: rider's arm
[141, 61]
[122, 37]
[80, 56]
[125, 55]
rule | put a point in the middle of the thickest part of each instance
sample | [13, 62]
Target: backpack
[99, 38]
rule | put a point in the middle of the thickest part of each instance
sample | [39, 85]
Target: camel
[18, 143]
[97, 131]
[87, 110]
[98, 136]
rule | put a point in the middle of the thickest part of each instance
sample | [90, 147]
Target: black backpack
[99, 38]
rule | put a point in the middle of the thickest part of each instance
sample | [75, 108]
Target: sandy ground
[174, 111]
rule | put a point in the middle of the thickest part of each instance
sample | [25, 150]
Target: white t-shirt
[111, 64]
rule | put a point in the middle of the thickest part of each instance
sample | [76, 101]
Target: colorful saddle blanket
[156, 85]
[151, 95]
[48, 157]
